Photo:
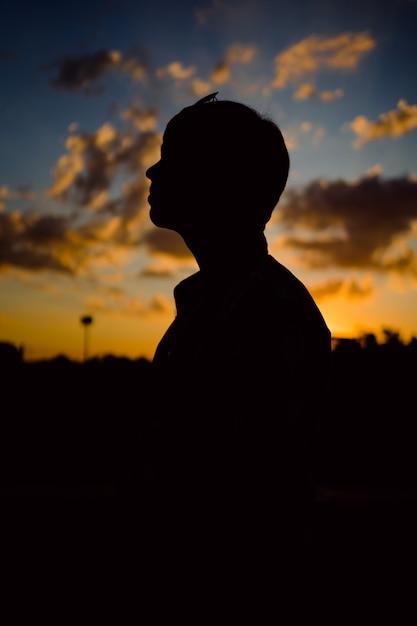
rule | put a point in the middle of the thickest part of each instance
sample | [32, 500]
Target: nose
[150, 171]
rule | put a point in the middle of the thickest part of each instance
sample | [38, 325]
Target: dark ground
[68, 430]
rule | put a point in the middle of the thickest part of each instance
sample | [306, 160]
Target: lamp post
[86, 321]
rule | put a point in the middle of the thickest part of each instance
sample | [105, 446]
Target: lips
[150, 196]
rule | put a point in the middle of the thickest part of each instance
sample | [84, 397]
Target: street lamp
[86, 321]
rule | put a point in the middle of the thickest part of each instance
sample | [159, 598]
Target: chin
[157, 218]
[153, 214]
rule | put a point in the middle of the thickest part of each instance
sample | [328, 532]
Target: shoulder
[281, 280]
[273, 306]
[275, 286]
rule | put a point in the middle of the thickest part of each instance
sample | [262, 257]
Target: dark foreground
[67, 434]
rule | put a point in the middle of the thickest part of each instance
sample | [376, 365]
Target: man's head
[223, 164]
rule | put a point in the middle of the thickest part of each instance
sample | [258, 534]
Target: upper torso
[243, 370]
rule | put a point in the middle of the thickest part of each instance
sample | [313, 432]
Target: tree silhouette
[86, 321]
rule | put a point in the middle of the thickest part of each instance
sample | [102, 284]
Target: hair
[241, 147]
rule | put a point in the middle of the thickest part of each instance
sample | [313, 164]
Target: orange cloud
[240, 53]
[392, 124]
[88, 166]
[297, 133]
[314, 53]
[135, 68]
[329, 96]
[200, 87]
[375, 170]
[39, 242]
[101, 178]
[23, 193]
[143, 119]
[131, 307]
[236, 53]
[350, 288]
[175, 70]
[84, 175]
[167, 242]
[221, 73]
[305, 92]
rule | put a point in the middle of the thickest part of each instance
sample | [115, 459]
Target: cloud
[79, 73]
[240, 53]
[159, 303]
[135, 68]
[4, 192]
[101, 181]
[82, 73]
[143, 119]
[235, 54]
[329, 96]
[314, 53]
[200, 87]
[20, 193]
[132, 307]
[294, 134]
[350, 288]
[221, 73]
[305, 92]
[365, 224]
[158, 270]
[168, 242]
[69, 245]
[375, 170]
[392, 124]
[85, 174]
[88, 166]
[37, 242]
[175, 70]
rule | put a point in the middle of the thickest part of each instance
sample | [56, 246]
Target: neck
[227, 252]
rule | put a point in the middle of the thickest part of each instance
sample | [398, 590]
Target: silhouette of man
[241, 375]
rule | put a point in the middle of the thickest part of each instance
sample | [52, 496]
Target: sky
[87, 89]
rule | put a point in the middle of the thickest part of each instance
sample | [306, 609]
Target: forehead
[180, 129]
[184, 139]
[209, 131]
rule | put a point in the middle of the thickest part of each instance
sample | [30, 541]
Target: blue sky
[87, 89]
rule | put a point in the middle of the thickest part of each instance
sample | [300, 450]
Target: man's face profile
[178, 182]
[168, 179]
